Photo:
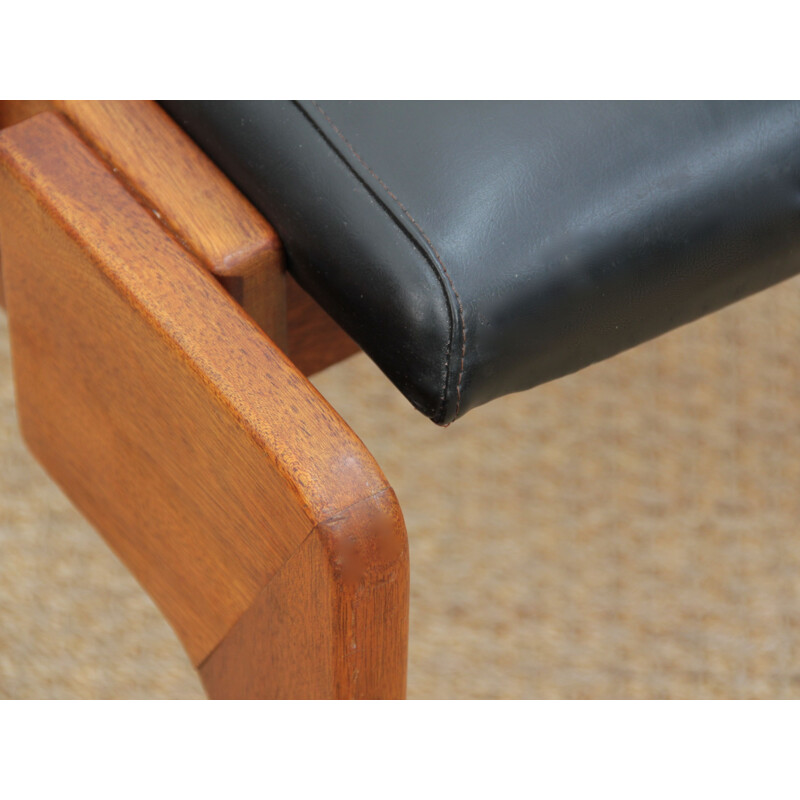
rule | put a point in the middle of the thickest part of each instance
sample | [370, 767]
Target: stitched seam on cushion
[412, 236]
[433, 249]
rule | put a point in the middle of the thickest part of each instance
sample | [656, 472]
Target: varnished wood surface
[172, 178]
[204, 457]
[14, 111]
[351, 572]
[190, 196]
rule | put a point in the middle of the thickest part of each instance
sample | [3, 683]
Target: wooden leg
[240, 500]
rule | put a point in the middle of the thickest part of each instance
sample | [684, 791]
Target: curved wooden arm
[241, 501]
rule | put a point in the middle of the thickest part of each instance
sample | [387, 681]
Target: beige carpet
[627, 532]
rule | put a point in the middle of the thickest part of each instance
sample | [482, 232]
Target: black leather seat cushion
[476, 249]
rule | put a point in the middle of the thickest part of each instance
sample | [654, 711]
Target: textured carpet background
[629, 531]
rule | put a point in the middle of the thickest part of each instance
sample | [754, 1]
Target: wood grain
[14, 111]
[351, 572]
[208, 462]
[172, 178]
[189, 195]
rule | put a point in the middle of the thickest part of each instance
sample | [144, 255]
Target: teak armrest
[240, 500]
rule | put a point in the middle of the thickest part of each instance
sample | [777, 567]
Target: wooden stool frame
[160, 356]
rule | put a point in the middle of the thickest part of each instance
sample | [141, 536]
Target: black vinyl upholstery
[479, 248]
